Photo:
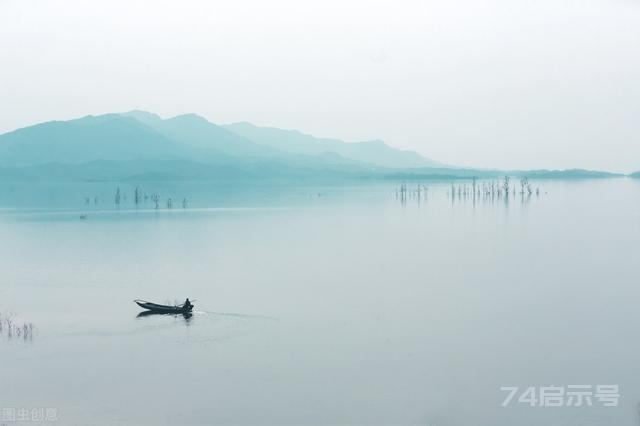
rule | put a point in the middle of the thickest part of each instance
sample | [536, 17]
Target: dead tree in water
[505, 185]
[401, 193]
[525, 186]
[136, 196]
[169, 203]
[117, 197]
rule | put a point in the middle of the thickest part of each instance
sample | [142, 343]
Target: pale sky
[485, 83]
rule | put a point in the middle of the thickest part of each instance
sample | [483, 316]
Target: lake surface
[332, 304]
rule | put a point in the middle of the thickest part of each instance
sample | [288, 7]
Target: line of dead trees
[486, 189]
[420, 192]
[142, 198]
[503, 188]
[10, 327]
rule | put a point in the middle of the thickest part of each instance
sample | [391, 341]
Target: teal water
[333, 304]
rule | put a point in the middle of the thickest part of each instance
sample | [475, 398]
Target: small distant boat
[164, 309]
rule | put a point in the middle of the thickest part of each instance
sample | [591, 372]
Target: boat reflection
[186, 315]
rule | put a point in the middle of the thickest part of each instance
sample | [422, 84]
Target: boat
[164, 309]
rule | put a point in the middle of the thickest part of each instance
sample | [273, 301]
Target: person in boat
[187, 304]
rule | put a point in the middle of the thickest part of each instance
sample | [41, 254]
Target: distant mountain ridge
[144, 135]
[194, 130]
[374, 152]
[142, 145]
[106, 137]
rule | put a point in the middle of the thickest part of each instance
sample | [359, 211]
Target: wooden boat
[164, 309]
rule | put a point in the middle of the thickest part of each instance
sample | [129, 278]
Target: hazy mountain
[106, 137]
[466, 173]
[121, 137]
[635, 175]
[194, 130]
[564, 174]
[179, 169]
[140, 145]
[373, 152]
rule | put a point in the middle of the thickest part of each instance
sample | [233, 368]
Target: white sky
[487, 83]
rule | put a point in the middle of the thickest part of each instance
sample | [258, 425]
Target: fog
[507, 84]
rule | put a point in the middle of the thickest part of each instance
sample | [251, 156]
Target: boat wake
[236, 315]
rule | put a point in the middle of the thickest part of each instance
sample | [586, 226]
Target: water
[334, 304]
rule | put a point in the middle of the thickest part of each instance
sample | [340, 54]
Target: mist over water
[320, 304]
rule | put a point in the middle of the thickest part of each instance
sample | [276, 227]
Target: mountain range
[374, 152]
[142, 145]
